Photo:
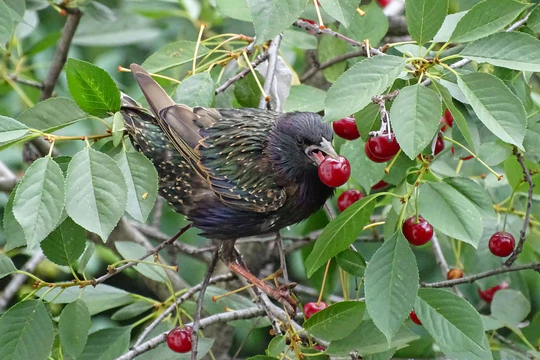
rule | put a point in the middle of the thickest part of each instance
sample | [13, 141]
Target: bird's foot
[281, 293]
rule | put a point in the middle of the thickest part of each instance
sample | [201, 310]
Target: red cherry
[346, 128]
[501, 244]
[417, 233]
[414, 318]
[334, 172]
[348, 198]
[380, 185]
[487, 295]
[312, 308]
[447, 120]
[383, 3]
[439, 145]
[179, 340]
[381, 149]
[319, 347]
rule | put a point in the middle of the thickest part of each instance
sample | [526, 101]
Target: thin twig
[155, 250]
[259, 59]
[282, 260]
[179, 301]
[60, 56]
[527, 218]
[472, 278]
[273, 50]
[513, 346]
[308, 74]
[220, 318]
[18, 280]
[200, 298]
[441, 260]
[32, 83]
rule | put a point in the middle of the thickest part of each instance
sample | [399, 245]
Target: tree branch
[179, 301]
[32, 83]
[526, 221]
[18, 280]
[308, 74]
[472, 278]
[220, 318]
[264, 102]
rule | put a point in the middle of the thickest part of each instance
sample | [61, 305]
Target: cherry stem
[497, 175]
[323, 282]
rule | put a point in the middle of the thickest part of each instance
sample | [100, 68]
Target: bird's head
[299, 142]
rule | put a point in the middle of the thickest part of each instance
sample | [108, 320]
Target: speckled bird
[233, 172]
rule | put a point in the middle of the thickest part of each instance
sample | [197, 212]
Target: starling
[232, 172]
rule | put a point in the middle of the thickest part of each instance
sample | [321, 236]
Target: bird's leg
[232, 259]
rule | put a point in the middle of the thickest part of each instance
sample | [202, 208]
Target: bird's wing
[233, 156]
[224, 147]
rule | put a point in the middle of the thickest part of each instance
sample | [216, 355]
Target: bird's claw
[283, 296]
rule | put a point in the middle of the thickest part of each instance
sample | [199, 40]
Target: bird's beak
[317, 153]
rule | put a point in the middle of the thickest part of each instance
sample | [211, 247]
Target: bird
[234, 172]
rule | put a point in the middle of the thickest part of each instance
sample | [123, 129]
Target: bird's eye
[300, 140]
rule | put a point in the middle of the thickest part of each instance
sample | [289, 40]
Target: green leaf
[351, 262]
[391, 283]
[11, 129]
[369, 340]
[355, 88]
[52, 114]
[276, 346]
[132, 251]
[512, 50]
[92, 88]
[142, 183]
[65, 244]
[246, 90]
[14, 232]
[448, 27]
[86, 256]
[366, 119]
[26, 331]
[132, 310]
[475, 193]
[73, 328]
[450, 212]
[424, 18]
[98, 299]
[196, 90]
[415, 117]
[340, 233]
[305, 98]
[494, 153]
[106, 344]
[236, 9]
[456, 114]
[96, 192]
[299, 39]
[373, 26]
[363, 170]
[172, 55]
[341, 10]
[6, 266]
[510, 307]
[39, 200]
[496, 106]
[329, 48]
[6, 25]
[282, 12]
[534, 20]
[336, 321]
[450, 320]
[485, 18]
[118, 128]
